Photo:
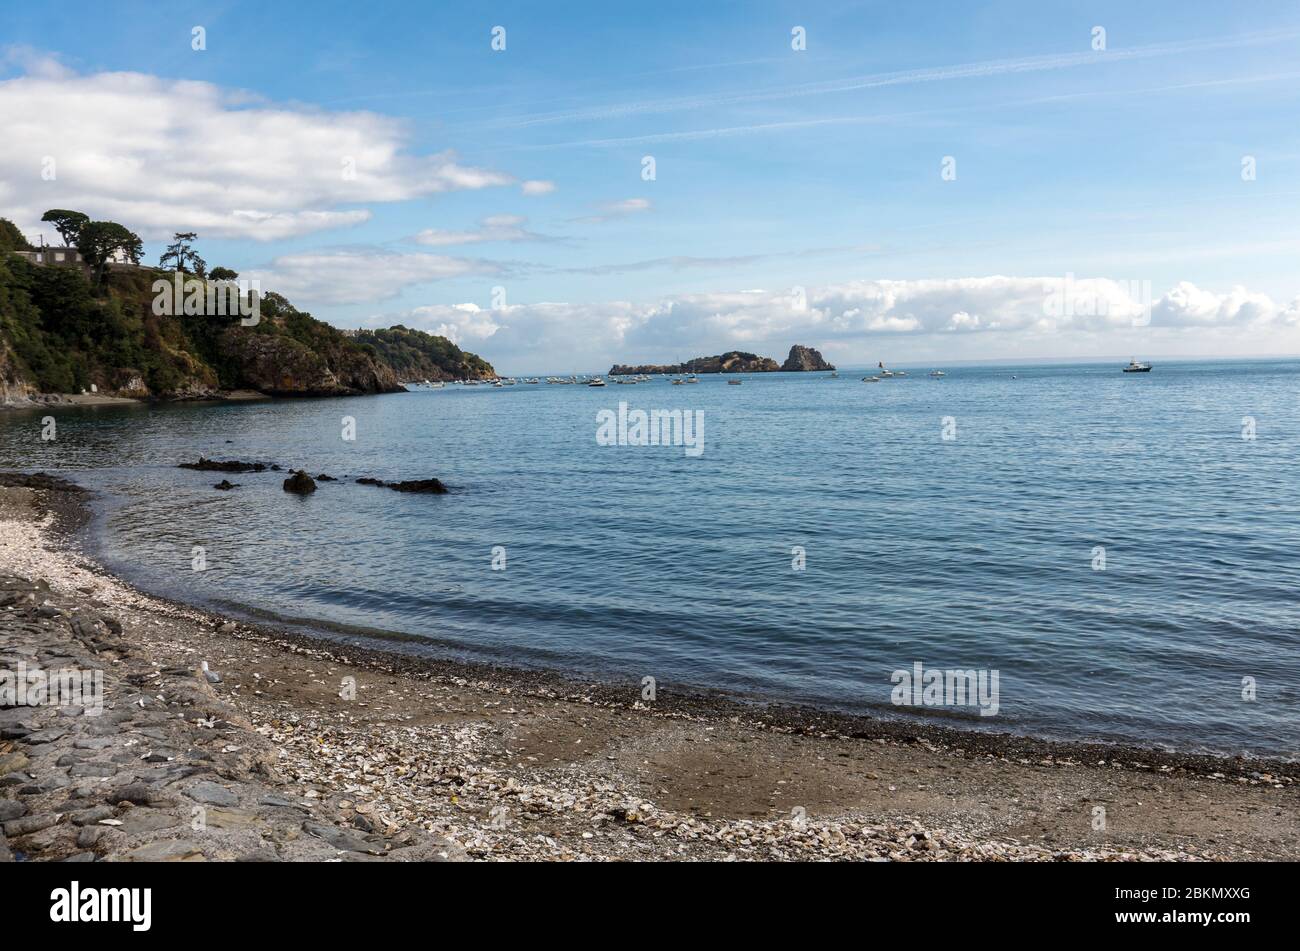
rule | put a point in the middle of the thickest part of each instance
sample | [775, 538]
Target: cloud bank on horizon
[840, 318]
[524, 177]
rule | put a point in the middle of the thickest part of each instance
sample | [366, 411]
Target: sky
[562, 186]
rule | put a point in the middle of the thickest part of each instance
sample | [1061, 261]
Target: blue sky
[775, 168]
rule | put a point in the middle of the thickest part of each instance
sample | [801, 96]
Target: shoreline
[496, 762]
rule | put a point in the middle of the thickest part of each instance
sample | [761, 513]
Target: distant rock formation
[804, 358]
[733, 361]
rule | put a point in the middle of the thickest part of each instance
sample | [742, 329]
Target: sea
[1112, 557]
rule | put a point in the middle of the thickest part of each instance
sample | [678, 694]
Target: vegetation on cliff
[419, 356]
[66, 329]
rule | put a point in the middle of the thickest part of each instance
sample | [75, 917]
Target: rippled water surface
[973, 553]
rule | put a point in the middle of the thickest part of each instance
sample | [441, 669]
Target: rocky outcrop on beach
[802, 359]
[733, 361]
[152, 767]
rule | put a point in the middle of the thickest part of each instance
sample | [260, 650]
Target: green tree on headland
[67, 223]
[181, 253]
[11, 239]
[100, 241]
[223, 274]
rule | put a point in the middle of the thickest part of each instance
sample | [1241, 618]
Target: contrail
[906, 77]
[789, 125]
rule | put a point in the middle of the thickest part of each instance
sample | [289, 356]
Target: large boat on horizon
[1135, 367]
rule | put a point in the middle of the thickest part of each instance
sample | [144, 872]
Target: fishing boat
[596, 382]
[937, 373]
[1135, 367]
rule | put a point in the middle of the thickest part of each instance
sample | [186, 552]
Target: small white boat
[937, 373]
[871, 379]
[596, 382]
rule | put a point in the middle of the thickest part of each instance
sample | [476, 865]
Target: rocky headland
[66, 339]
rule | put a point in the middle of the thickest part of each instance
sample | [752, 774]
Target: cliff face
[804, 358]
[13, 385]
[733, 361]
[279, 365]
[60, 335]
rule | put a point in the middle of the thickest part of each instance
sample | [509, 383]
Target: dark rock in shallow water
[427, 486]
[419, 485]
[325, 478]
[226, 485]
[230, 465]
[300, 483]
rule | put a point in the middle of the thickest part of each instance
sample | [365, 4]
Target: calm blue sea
[977, 552]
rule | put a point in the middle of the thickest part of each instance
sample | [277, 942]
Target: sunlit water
[626, 561]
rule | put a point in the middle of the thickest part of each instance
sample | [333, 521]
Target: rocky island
[804, 358]
[733, 361]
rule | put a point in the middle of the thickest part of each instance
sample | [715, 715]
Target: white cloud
[163, 155]
[1186, 305]
[612, 210]
[357, 276]
[492, 228]
[535, 187]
